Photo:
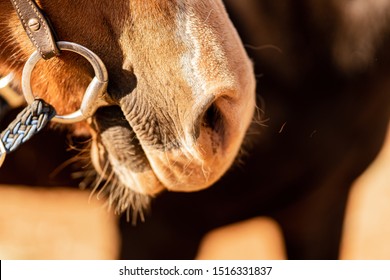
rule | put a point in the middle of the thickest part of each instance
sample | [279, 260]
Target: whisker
[102, 189]
[99, 180]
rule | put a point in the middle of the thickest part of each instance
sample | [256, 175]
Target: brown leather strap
[37, 27]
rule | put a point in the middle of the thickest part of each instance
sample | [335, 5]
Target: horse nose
[211, 119]
[212, 124]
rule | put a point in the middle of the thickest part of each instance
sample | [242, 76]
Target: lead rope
[31, 120]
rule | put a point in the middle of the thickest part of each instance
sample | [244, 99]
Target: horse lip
[123, 150]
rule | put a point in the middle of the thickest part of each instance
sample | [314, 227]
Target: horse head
[182, 87]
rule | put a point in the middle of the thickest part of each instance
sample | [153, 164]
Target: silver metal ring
[94, 96]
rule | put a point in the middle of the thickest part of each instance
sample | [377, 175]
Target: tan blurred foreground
[367, 222]
[256, 239]
[55, 223]
[61, 223]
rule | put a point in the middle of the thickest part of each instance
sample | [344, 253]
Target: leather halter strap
[37, 27]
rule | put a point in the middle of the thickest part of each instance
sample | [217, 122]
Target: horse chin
[121, 194]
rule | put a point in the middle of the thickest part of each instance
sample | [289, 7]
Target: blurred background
[323, 90]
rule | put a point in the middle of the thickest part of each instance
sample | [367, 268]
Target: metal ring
[94, 96]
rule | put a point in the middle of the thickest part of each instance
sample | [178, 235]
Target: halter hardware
[94, 96]
[42, 36]
[38, 113]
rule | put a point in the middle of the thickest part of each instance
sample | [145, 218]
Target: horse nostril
[213, 118]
